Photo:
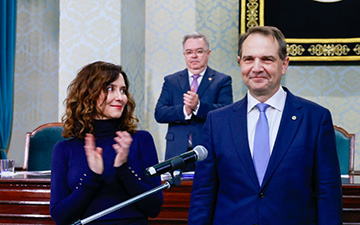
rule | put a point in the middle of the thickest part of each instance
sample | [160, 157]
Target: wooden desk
[25, 199]
[175, 209]
[351, 200]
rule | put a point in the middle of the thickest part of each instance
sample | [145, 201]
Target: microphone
[199, 153]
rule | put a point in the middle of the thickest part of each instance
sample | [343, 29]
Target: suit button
[261, 195]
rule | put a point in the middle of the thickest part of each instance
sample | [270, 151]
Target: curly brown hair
[83, 93]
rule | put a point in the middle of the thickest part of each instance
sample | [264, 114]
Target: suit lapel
[184, 81]
[209, 77]
[238, 125]
[289, 125]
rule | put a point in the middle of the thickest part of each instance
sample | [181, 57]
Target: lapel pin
[293, 117]
[210, 79]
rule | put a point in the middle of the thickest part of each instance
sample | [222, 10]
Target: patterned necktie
[261, 154]
[195, 83]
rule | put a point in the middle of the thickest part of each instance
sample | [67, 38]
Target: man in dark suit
[187, 96]
[300, 183]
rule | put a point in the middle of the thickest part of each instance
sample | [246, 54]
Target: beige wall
[89, 31]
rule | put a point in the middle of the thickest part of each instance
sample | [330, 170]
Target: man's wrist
[195, 110]
[186, 115]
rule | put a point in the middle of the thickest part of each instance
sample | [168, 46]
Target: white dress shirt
[273, 114]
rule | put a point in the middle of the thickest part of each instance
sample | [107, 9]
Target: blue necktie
[261, 153]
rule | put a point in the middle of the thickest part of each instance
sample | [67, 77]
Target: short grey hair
[196, 35]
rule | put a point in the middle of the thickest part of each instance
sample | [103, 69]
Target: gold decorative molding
[357, 49]
[327, 1]
[295, 49]
[328, 50]
[252, 14]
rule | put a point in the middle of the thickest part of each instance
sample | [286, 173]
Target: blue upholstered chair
[345, 146]
[39, 144]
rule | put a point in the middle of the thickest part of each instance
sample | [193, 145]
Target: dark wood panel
[25, 200]
[163, 221]
[25, 219]
[25, 194]
[23, 208]
[351, 201]
[175, 209]
[351, 215]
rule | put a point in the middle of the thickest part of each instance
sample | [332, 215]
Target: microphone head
[201, 152]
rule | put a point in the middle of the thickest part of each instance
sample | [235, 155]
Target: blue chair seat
[345, 146]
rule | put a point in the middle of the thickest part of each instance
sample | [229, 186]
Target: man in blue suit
[187, 96]
[301, 183]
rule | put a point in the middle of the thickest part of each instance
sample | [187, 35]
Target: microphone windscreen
[201, 152]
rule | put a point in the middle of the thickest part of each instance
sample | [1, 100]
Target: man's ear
[285, 65]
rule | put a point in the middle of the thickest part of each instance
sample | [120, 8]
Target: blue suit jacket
[302, 184]
[215, 91]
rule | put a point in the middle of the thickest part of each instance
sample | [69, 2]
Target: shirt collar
[277, 101]
[201, 74]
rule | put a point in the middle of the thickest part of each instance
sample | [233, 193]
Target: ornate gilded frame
[303, 49]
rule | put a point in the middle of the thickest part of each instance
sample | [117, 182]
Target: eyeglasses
[198, 52]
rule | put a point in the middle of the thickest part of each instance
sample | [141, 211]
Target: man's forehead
[260, 45]
[191, 40]
[253, 36]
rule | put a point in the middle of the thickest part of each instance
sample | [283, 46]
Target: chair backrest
[39, 144]
[345, 146]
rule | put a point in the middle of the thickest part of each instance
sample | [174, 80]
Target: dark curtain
[7, 60]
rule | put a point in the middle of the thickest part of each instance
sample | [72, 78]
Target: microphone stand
[175, 181]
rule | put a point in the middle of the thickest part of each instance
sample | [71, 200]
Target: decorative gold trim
[357, 49]
[327, 1]
[324, 58]
[242, 16]
[328, 50]
[322, 40]
[252, 14]
[262, 12]
[295, 50]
